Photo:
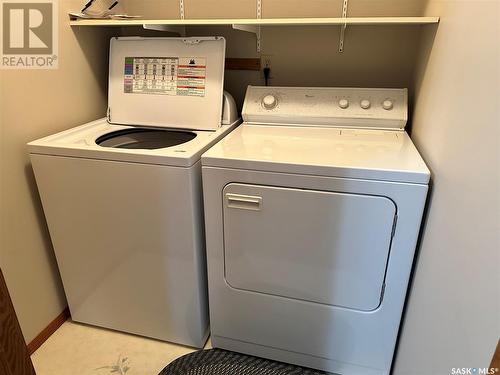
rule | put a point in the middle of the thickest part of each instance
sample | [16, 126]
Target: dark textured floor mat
[223, 362]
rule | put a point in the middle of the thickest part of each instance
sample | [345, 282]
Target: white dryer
[312, 212]
[122, 196]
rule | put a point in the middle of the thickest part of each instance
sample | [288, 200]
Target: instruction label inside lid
[166, 82]
[165, 75]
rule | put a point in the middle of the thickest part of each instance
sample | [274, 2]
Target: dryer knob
[365, 104]
[269, 102]
[387, 105]
[343, 103]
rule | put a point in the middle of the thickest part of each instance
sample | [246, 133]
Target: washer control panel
[327, 106]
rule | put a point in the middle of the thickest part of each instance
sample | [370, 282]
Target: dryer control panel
[327, 106]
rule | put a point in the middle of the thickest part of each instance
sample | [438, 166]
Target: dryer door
[318, 246]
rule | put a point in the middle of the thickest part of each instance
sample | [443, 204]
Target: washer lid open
[144, 139]
[166, 82]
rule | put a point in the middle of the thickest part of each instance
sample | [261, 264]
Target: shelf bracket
[255, 29]
[181, 9]
[345, 3]
[250, 29]
[179, 30]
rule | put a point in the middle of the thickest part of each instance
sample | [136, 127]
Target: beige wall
[156, 9]
[451, 320]
[38, 103]
[453, 313]
[308, 56]
[382, 56]
[35, 104]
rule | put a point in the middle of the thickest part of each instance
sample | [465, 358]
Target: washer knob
[269, 102]
[343, 103]
[387, 105]
[365, 104]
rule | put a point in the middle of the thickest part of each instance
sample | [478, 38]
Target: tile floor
[77, 349]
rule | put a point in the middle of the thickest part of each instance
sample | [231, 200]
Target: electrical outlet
[265, 62]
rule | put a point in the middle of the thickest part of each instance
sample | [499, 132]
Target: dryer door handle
[243, 202]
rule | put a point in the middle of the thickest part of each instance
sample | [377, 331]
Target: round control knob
[365, 104]
[269, 101]
[387, 105]
[343, 103]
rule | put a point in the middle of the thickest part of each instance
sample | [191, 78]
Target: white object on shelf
[109, 16]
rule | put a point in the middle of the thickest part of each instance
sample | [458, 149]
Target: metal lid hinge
[108, 114]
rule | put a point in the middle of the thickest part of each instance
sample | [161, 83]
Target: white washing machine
[312, 213]
[123, 203]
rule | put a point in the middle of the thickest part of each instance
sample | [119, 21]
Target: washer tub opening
[149, 139]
